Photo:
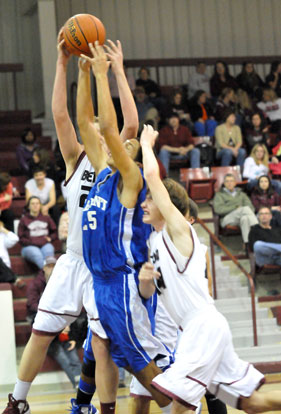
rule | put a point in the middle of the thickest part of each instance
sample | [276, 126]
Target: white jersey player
[205, 357]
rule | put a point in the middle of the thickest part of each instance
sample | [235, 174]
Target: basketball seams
[94, 20]
[73, 45]
[83, 34]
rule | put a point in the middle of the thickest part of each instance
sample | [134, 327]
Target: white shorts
[167, 332]
[69, 288]
[205, 360]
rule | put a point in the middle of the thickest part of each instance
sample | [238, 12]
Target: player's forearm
[59, 97]
[128, 106]
[146, 289]
[107, 115]
[150, 166]
[85, 109]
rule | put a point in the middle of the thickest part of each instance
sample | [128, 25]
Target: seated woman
[6, 196]
[257, 133]
[249, 80]
[271, 107]
[177, 105]
[36, 232]
[225, 102]
[43, 188]
[221, 79]
[202, 115]
[41, 158]
[229, 142]
[256, 165]
[263, 195]
[24, 151]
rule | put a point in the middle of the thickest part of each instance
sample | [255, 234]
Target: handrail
[13, 68]
[213, 238]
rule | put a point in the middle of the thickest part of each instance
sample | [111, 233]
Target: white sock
[21, 390]
[167, 409]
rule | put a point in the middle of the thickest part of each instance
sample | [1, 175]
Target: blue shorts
[88, 352]
[126, 321]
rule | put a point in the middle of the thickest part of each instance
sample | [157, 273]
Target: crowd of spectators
[241, 116]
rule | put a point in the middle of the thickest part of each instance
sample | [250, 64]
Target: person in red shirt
[6, 196]
[175, 142]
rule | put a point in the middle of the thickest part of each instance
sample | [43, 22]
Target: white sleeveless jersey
[182, 284]
[77, 188]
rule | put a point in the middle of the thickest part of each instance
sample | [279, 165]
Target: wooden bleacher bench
[15, 130]
[15, 117]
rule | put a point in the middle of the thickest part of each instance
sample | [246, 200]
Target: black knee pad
[88, 368]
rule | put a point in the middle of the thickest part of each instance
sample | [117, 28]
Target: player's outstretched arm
[132, 179]
[70, 147]
[175, 222]
[129, 109]
[85, 118]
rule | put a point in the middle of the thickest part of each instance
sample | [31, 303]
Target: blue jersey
[114, 237]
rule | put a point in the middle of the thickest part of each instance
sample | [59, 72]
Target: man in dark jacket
[265, 240]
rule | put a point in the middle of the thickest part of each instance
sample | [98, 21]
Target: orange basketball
[80, 30]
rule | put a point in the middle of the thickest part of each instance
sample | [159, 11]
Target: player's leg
[107, 375]
[140, 405]
[261, 402]
[178, 408]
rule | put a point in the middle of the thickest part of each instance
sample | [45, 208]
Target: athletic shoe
[82, 408]
[199, 408]
[16, 407]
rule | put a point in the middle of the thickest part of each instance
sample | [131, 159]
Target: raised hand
[99, 61]
[83, 64]
[115, 55]
[148, 136]
[63, 53]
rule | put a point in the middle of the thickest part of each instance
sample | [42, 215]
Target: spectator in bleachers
[36, 232]
[41, 159]
[199, 80]
[265, 239]
[249, 80]
[151, 88]
[229, 142]
[273, 79]
[271, 108]
[175, 142]
[234, 207]
[225, 102]
[63, 348]
[7, 240]
[202, 115]
[244, 109]
[147, 112]
[263, 194]
[221, 79]
[25, 150]
[256, 165]
[6, 197]
[257, 132]
[44, 189]
[179, 106]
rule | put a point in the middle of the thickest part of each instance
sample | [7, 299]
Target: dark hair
[144, 68]
[225, 92]
[5, 179]
[274, 65]
[24, 134]
[226, 70]
[173, 115]
[193, 209]
[29, 200]
[261, 207]
[270, 189]
[245, 63]
[178, 195]
[38, 169]
[227, 113]
[197, 95]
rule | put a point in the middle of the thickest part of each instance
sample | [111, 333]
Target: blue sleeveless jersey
[114, 237]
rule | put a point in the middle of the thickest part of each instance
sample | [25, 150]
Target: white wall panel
[147, 29]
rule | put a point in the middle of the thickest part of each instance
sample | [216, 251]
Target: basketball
[80, 30]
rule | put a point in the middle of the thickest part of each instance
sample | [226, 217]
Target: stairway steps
[266, 338]
[237, 314]
[232, 292]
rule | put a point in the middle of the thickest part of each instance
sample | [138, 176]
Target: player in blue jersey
[114, 236]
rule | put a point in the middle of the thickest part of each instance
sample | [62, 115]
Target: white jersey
[182, 285]
[77, 188]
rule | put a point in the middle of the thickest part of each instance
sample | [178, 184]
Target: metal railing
[214, 239]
